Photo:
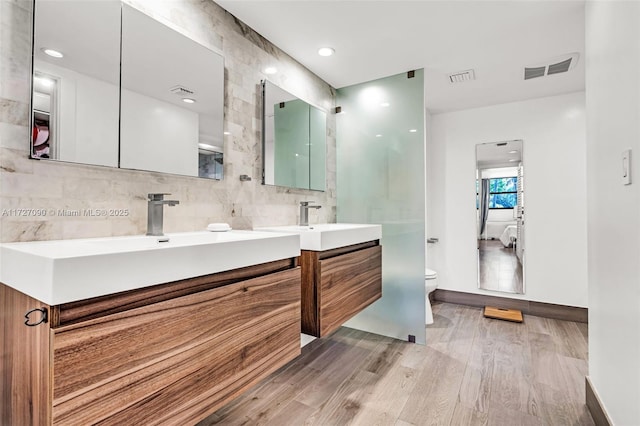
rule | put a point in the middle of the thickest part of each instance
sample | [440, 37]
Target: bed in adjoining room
[509, 235]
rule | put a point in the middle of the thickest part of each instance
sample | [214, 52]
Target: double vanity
[167, 329]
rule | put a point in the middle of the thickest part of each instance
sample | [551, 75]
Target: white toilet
[430, 284]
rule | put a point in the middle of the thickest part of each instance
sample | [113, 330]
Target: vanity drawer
[176, 361]
[348, 283]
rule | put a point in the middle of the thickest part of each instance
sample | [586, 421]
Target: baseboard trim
[598, 413]
[540, 309]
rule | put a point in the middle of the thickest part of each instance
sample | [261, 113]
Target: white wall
[553, 131]
[157, 136]
[613, 115]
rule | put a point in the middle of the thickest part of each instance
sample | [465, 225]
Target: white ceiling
[375, 39]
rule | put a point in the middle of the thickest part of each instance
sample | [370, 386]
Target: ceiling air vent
[462, 76]
[555, 65]
[560, 67]
[534, 72]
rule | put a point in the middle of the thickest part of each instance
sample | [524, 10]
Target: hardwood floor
[473, 371]
[499, 268]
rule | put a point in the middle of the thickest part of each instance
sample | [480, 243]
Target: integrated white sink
[328, 236]
[57, 272]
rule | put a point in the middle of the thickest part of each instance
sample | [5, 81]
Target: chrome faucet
[154, 213]
[304, 212]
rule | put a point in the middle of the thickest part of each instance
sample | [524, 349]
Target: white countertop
[63, 271]
[327, 236]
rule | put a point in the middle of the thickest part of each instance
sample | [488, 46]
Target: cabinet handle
[43, 319]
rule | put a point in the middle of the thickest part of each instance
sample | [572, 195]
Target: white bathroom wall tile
[239, 91]
[31, 231]
[22, 4]
[14, 112]
[242, 223]
[209, 211]
[128, 226]
[86, 189]
[15, 137]
[15, 49]
[83, 228]
[31, 185]
[14, 160]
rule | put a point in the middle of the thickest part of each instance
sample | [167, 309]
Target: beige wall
[30, 184]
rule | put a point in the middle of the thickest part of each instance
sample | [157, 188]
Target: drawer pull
[43, 319]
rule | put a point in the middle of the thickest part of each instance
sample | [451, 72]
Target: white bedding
[509, 235]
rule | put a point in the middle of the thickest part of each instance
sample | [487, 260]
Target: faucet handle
[306, 203]
[157, 196]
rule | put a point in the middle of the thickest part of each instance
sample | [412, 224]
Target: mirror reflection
[171, 100]
[294, 141]
[76, 62]
[500, 216]
[152, 113]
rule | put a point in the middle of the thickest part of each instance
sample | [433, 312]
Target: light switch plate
[626, 167]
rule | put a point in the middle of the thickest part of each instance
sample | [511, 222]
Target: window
[503, 192]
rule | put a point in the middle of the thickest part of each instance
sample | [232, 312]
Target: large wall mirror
[114, 87]
[76, 79]
[500, 216]
[294, 142]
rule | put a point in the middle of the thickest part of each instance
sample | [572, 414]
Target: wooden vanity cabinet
[337, 284]
[167, 354]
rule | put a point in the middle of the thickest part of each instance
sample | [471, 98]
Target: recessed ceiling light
[53, 53]
[326, 51]
[513, 152]
[385, 104]
[227, 133]
[188, 100]
[413, 130]
[270, 70]
[378, 136]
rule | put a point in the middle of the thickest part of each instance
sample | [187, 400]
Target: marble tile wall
[56, 191]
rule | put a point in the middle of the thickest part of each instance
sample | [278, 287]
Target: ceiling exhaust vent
[462, 76]
[534, 72]
[555, 65]
[559, 67]
[181, 91]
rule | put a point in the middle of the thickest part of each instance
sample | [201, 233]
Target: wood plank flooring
[499, 268]
[473, 371]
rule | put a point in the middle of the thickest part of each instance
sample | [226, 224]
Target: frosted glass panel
[380, 179]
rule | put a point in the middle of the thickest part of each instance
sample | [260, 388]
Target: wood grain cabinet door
[348, 284]
[176, 361]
